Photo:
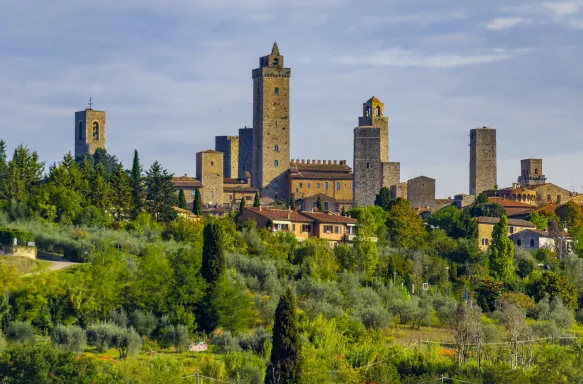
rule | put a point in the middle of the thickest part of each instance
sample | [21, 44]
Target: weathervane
[90, 103]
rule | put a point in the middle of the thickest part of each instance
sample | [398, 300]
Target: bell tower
[373, 115]
[90, 131]
[271, 123]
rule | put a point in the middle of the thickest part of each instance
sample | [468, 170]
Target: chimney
[288, 215]
[259, 207]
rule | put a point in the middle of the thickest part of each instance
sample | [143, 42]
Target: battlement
[295, 162]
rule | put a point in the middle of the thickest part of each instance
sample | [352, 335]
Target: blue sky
[172, 74]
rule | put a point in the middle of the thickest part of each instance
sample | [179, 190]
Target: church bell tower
[89, 131]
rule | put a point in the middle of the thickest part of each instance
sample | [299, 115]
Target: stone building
[535, 194]
[421, 192]
[90, 131]
[209, 170]
[271, 125]
[482, 160]
[486, 228]
[235, 189]
[189, 185]
[531, 172]
[372, 169]
[245, 151]
[229, 146]
[399, 190]
[311, 177]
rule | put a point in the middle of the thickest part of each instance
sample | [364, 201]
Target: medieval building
[531, 172]
[89, 131]
[229, 146]
[482, 160]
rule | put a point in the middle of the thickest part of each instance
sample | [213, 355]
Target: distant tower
[245, 152]
[531, 172]
[271, 126]
[209, 170]
[372, 169]
[229, 146]
[482, 160]
[90, 131]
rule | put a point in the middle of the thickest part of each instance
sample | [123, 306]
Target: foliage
[101, 335]
[552, 285]
[197, 203]
[501, 251]
[256, 201]
[20, 332]
[482, 207]
[319, 204]
[69, 338]
[127, 342]
[181, 199]
[160, 193]
[405, 228]
[383, 198]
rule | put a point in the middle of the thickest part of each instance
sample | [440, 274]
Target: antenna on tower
[90, 103]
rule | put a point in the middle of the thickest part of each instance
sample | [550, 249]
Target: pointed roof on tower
[374, 100]
[275, 49]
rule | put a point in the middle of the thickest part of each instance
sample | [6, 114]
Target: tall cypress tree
[292, 203]
[138, 191]
[501, 251]
[257, 201]
[285, 362]
[319, 204]
[383, 198]
[241, 204]
[213, 257]
[197, 204]
[3, 169]
[181, 199]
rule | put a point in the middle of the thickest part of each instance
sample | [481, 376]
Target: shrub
[2, 343]
[101, 335]
[7, 236]
[143, 322]
[258, 342]
[177, 336]
[225, 342]
[119, 317]
[127, 342]
[69, 338]
[20, 332]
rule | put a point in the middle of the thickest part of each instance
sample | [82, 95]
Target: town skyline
[168, 108]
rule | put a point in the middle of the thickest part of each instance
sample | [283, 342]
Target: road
[57, 264]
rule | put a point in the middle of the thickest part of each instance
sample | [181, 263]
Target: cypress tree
[197, 204]
[181, 199]
[285, 362]
[213, 257]
[319, 204]
[3, 169]
[241, 204]
[292, 203]
[256, 202]
[501, 251]
[383, 198]
[343, 213]
[138, 191]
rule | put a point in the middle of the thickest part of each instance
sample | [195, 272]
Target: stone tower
[372, 169]
[245, 152]
[90, 131]
[482, 160]
[271, 126]
[531, 172]
[229, 146]
[209, 170]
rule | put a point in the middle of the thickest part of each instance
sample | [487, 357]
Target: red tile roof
[185, 181]
[278, 214]
[513, 222]
[329, 218]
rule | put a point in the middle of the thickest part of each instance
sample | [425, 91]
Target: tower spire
[275, 49]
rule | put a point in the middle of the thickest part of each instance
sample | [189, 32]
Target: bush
[101, 335]
[127, 342]
[177, 336]
[2, 343]
[119, 317]
[258, 342]
[7, 236]
[69, 338]
[20, 332]
[143, 322]
[225, 342]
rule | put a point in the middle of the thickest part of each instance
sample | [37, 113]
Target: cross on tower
[90, 103]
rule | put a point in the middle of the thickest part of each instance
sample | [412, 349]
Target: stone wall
[209, 170]
[20, 251]
[245, 152]
[229, 146]
[482, 160]
[551, 193]
[531, 172]
[85, 140]
[391, 174]
[367, 165]
[399, 190]
[421, 192]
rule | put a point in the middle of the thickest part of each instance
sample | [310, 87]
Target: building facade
[209, 170]
[311, 177]
[531, 172]
[271, 125]
[245, 152]
[486, 228]
[229, 146]
[90, 131]
[421, 192]
[483, 174]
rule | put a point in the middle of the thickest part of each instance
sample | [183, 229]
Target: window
[309, 186]
[325, 206]
[326, 185]
[549, 199]
[275, 61]
[212, 195]
[276, 91]
[337, 229]
[276, 148]
[519, 242]
[337, 186]
[276, 163]
[194, 192]
[485, 241]
[297, 189]
[293, 227]
[95, 130]
[301, 185]
[367, 165]
[558, 199]
[328, 228]
[532, 243]
[536, 171]
[511, 230]
[305, 228]
[378, 110]
[248, 198]
[275, 184]
[212, 163]
[80, 130]
[318, 185]
[350, 230]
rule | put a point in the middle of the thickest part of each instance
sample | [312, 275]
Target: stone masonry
[391, 173]
[399, 190]
[373, 115]
[209, 170]
[90, 131]
[421, 192]
[367, 165]
[229, 146]
[245, 152]
[271, 122]
[531, 172]
[482, 160]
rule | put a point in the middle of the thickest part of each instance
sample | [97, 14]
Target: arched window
[275, 61]
[80, 130]
[276, 148]
[276, 91]
[536, 171]
[276, 163]
[378, 110]
[95, 130]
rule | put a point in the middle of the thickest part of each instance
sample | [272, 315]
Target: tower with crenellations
[271, 125]
[90, 131]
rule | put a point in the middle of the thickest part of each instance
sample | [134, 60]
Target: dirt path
[57, 264]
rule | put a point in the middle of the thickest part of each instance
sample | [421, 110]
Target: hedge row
[7, 236]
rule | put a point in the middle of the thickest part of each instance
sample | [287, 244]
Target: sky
[172, 74]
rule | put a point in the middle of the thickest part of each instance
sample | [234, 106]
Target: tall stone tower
[372, 169]
[245, 152]
[229, 146]
[209, 170]
[531, 172]
[482, 160]
[90, 131]
[271, 126]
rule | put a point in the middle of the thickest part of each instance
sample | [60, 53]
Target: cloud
[562, 9]
[504, 23]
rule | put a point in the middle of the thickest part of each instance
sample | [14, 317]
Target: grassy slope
[23, 264]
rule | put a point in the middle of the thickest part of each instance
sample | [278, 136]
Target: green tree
[213, 257]
[241, 204]
[4, 173]
[256, 201]
[197, 204]
[181, 199]
[137, 186]
[292, 203]
[553, 285]
[501, 252]
[160, 193]
[24, 174]
[383, 198]
[101, 193]
[319, 204]
[285, 362]
[122, 194]
[482, 207]
[571, 214]
[405, 228]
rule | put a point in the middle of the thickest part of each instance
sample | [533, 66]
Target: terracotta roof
[510, 203]
[513, 222]
[512, 212]
[340, 166]
[329, 218]
[443, 201]
[185, 212]
[278, 214]
[547, 208]
[535, 187]
[547, 234]
[185, 181]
